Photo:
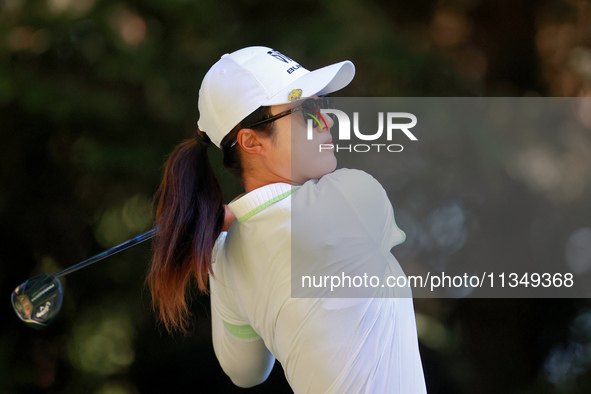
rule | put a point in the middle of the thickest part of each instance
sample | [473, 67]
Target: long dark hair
[190, 215]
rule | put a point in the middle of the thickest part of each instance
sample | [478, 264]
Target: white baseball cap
[242, 81]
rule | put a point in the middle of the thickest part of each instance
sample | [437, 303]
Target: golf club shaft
[115, 249]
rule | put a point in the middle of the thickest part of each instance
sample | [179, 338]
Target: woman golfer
[257, 105]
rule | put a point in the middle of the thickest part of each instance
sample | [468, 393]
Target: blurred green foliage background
[95, 93]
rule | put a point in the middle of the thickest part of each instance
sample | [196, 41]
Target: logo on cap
[280, 56]
[294, 95]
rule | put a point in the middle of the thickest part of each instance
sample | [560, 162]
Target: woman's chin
[329, 164]
[313, 168]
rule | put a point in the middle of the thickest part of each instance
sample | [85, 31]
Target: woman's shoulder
[355, 184]
[350, 175]
[343, 193]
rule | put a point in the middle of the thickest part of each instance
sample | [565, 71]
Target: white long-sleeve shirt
[342, 222]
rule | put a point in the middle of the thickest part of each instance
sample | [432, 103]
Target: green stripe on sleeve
[242, 332]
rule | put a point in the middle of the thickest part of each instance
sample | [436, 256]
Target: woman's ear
[249, 141]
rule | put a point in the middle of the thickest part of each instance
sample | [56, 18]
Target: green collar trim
[266, 204]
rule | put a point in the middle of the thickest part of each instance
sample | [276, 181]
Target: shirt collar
[257, 200]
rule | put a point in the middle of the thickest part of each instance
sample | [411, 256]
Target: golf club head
[38, 300]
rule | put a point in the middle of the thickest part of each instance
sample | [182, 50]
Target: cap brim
[319, 82]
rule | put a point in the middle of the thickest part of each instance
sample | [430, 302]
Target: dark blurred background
[95, 94]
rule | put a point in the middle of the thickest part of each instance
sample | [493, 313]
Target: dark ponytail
[189, 216]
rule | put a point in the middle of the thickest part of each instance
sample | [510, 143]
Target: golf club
[38, 300]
